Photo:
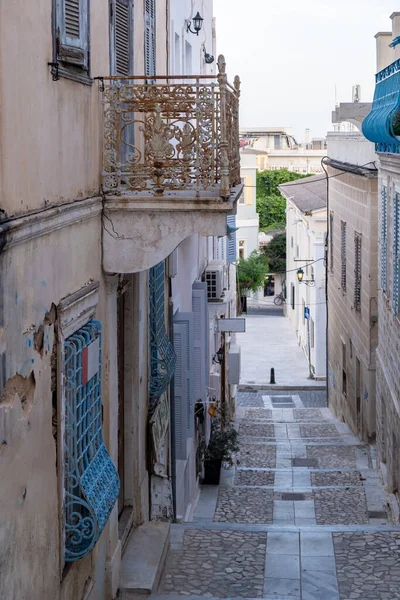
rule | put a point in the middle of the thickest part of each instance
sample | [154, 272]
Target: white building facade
[306, 300]
[247, 219]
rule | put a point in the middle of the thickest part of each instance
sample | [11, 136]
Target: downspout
[329, 233]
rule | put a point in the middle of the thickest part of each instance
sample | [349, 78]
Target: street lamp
[300, 277]
[197, 24]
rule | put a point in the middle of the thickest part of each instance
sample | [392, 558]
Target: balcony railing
[382, 125]
[175, 135]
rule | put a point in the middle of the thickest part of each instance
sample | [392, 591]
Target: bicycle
[279, 299]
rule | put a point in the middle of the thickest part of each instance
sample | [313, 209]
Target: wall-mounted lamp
[197, 24]
[218, 356]
[300, 277]
[208, 58]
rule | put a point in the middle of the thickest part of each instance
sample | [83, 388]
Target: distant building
[306, 301]
[277, 148]
[247, 219]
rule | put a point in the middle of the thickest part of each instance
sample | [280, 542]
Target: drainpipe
[329, 233]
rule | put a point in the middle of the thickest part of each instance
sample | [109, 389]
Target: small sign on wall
[232, 325]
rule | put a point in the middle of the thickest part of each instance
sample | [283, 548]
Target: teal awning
[383, 122]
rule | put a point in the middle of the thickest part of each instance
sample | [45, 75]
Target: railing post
[222, 81]
[236, 84]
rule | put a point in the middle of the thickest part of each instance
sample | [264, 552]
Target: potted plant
[222, 446]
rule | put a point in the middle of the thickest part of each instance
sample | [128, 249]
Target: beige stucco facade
[352, 330]
[57, 272]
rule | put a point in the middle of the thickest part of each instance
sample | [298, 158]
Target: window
[383, 244]
[242, 247]
[188, 58]
[344, 370]
[343, 276]
[71, 39]
[177, 54]
[277, 142]
[121, 21]
[292, 296]
[150, 37]
[91, 483]
[331, 241]
[231, 239]
[241, 198]
[396, 253]
[357, 271]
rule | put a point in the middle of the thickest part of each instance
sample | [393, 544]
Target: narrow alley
[301, 516]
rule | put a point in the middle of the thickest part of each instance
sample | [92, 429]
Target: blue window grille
[382, 123]
[396, 253]
[162, 354]
[384, 238]
[91, 483]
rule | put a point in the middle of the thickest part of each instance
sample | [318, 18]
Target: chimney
[307, 136]
[395, 33]
[384, 54]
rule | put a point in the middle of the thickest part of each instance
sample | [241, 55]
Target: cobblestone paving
[260, 456]
[341, 507]
[257, 430]
[254, 477]
[308, 414]
[368, 565]
[315, 431]
[309, 398]
[242, 505]
[336, 478]
[258, 414]
[249, 399]
[213, 563]
[333, 457]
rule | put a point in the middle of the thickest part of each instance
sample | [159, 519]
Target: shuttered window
[357, 271]
[72, 34]
[150, 37]
[121, 14]
[396, 253]
[292, 296]
[199, 306]
[383, 244]
[331, 241]
[343, 276]
[231, 239]
[183, 381]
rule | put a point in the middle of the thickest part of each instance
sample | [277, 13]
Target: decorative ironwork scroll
[176, 134]
[91, 483]
[162, 354]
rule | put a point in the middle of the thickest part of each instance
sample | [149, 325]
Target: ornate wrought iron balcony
[382, 125]
[171, 136]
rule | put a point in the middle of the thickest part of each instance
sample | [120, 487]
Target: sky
[291, 54]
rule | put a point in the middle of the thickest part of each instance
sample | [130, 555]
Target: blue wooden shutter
[384, 238]
[180, 405]
[231, 240]
[187, 362]
[72, 23]
[199, 304]
[150, 37]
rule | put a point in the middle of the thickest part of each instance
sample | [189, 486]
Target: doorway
[121, 399]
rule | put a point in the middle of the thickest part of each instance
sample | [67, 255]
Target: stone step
[143, 560]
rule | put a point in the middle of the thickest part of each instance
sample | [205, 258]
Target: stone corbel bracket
[140, 232]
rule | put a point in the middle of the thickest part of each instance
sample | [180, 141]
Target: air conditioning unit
[214, 391]
[214, 276]
[234, 364]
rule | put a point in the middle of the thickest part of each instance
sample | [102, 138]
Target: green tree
[271, 205]
[251, 271]
[275, 253]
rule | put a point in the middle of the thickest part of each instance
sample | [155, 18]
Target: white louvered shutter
[384, 241]
[72, 25]
[187, 361]
[180, 406]
[199, 303]
[150, 37]
[231, 240]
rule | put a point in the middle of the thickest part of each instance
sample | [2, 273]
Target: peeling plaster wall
[36, 275]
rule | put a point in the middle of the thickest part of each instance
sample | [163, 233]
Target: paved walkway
[270, 341]
[301, 517]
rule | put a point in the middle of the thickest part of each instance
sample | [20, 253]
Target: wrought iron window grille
[91, 483]
[162, 354]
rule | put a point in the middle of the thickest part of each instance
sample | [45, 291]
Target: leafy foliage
[271, 205]
[252, 271]
[275, 253]
[223, 443]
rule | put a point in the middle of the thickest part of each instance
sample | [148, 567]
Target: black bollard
[272, 377]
